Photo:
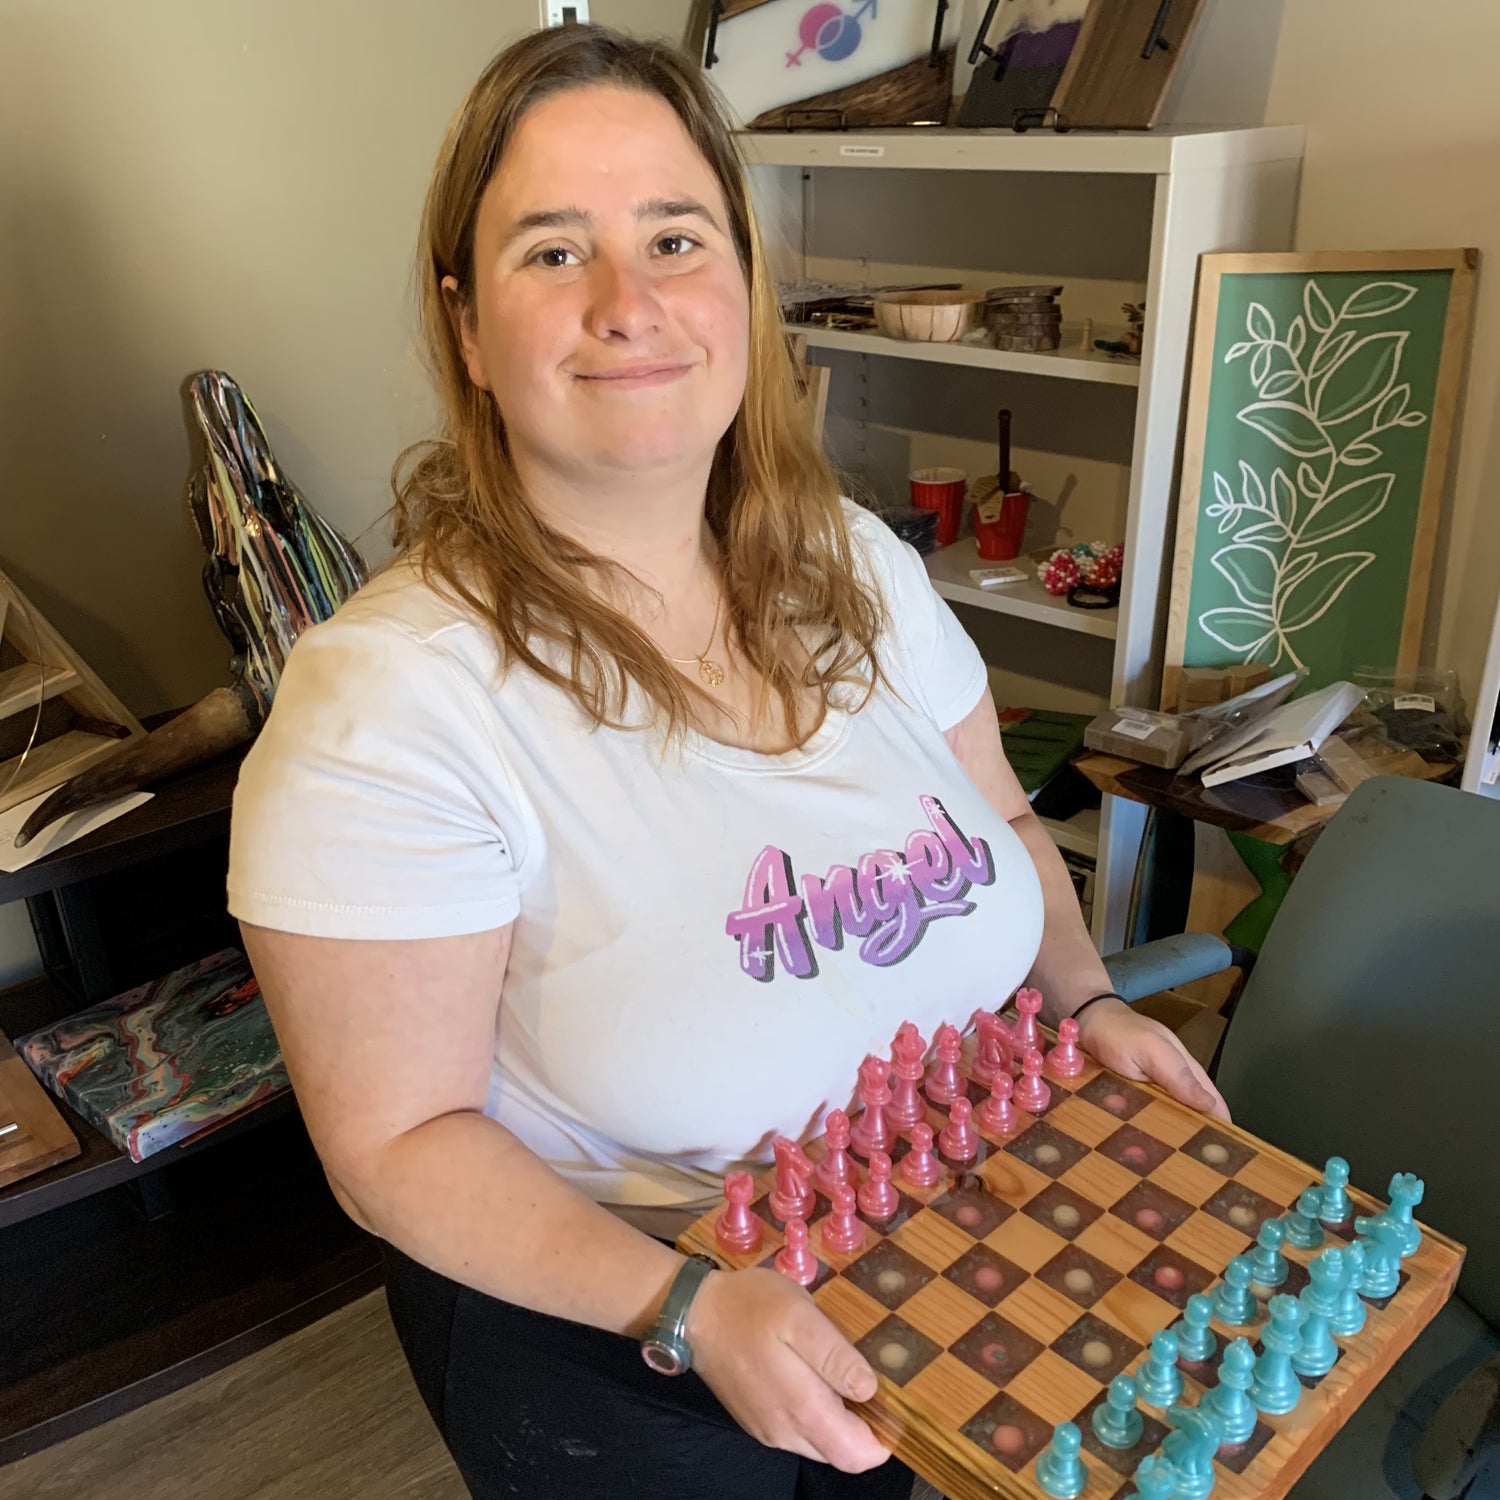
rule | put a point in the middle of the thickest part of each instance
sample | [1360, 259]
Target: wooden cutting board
[43, 1139]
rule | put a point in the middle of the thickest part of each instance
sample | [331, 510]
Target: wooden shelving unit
[1205, 189]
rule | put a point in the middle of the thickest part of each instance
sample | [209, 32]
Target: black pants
[543, 1409]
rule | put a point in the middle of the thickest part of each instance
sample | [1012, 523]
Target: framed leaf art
[1321, 403]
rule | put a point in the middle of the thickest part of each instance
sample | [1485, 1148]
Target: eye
[675, 245]
[554, 257]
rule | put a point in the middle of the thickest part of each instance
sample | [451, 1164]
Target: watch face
[662, 1357]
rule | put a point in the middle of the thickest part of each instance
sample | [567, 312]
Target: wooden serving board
[970, 1305]
[44, 1138]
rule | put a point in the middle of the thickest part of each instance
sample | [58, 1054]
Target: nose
[623, 302]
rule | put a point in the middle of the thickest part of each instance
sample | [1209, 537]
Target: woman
[601, 836]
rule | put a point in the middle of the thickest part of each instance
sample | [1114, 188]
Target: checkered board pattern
[1003, 1299]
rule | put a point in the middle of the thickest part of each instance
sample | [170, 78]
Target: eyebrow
[573, 217]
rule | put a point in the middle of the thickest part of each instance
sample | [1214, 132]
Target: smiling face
[609, 314]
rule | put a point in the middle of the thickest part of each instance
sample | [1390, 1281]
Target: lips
[631, 374]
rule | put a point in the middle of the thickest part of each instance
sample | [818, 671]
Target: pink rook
[1026, 1035]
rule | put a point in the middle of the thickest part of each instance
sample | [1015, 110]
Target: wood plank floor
[330, 1412]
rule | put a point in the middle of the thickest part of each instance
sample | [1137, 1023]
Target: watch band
[665, 1347]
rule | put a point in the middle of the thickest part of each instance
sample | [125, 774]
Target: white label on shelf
[1414, 700]
[1133, 730]
[861, 150]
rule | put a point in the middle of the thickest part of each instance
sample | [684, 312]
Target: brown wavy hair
[796, 606]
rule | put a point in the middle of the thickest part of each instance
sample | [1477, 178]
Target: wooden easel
[37, 666]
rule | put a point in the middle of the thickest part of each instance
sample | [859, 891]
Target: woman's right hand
[781, 1369]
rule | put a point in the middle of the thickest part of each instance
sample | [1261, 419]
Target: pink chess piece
[737, 1229]
[1025, 1034]
[792, 1197]
[1065, 1060]
[1031, 1093]
[843, 1234]
[919, 1166]
[836, 1166]
[872, 1131]
[907, 1051]
[944, 1082]
[997, 1114]
[876, 1197]
[794, 1260]
[958, 1140]
[992, 1048]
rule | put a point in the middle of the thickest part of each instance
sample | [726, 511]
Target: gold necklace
[710, 672]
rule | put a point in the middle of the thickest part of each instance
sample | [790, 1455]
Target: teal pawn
[1268, 1265]
[1406, 1193]
[1228, 1400]
[1154, 1478]
[1351, 1314]
[1195, 1339]
[1160, 1379]
[1334, 1202]
[1275, 1388]
[1303, 1231]
[1190, 1450]
[1060, 1470]
[1117, 1424]
[1320, 1300]
[1381, 1237]
[1234, 1302]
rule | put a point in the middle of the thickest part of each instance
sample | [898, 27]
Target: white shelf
[948, 568]
[928, 147]
[1078, 834]
[1067, 363]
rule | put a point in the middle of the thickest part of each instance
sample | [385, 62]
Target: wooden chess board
[1002, 1300]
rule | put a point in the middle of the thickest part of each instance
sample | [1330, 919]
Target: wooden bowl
[928, 317]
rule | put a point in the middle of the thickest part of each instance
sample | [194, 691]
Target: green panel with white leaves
[1319, 416]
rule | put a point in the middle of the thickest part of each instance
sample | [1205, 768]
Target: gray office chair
[1369, 1028]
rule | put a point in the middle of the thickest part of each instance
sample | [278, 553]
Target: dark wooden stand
[121, 1281]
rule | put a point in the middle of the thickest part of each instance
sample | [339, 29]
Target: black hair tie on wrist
[1094, 1000]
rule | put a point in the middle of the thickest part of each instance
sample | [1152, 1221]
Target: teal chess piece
[1229, 1400]
[1303, 1231]
[1382, 1241]
[1154, 1478]
[1190, 1450]
[1317, 1353]
[1060, 1470]
[1268, 1265]
[1116, 1422]
[1406, 1193]
[1160, 1381]
[1334, 1203]
[1351, 1314]
[1195, 1339]
[1234, 1302]
[1275, 1388]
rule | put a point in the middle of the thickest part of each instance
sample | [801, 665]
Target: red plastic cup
[1000, 540]
[941, 490]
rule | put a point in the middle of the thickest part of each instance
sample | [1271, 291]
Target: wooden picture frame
[1351, 362]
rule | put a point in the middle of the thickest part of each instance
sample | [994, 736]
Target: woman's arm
[1068, 970]
[389, 1045]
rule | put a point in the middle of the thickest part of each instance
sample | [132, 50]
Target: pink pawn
[737, 1229]
[1025, 1034]
[876, 1197]
[959, 1141]
[1031, 1093]
[919, 1166]
[843, 1234]
[794, 1259]
[836, 1166]
[992, 1049]
[997, 1114]
[944, 1082]
[792, 1197]
[907, 1051]
[1065, 1060]
[873, 1130]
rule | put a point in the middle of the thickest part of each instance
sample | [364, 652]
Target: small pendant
[711, 672]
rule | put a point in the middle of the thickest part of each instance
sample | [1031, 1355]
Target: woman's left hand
[1135, 1046]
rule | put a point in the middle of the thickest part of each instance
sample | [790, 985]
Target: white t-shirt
[707, 941]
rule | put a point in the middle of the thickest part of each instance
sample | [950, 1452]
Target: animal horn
[226, 717]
